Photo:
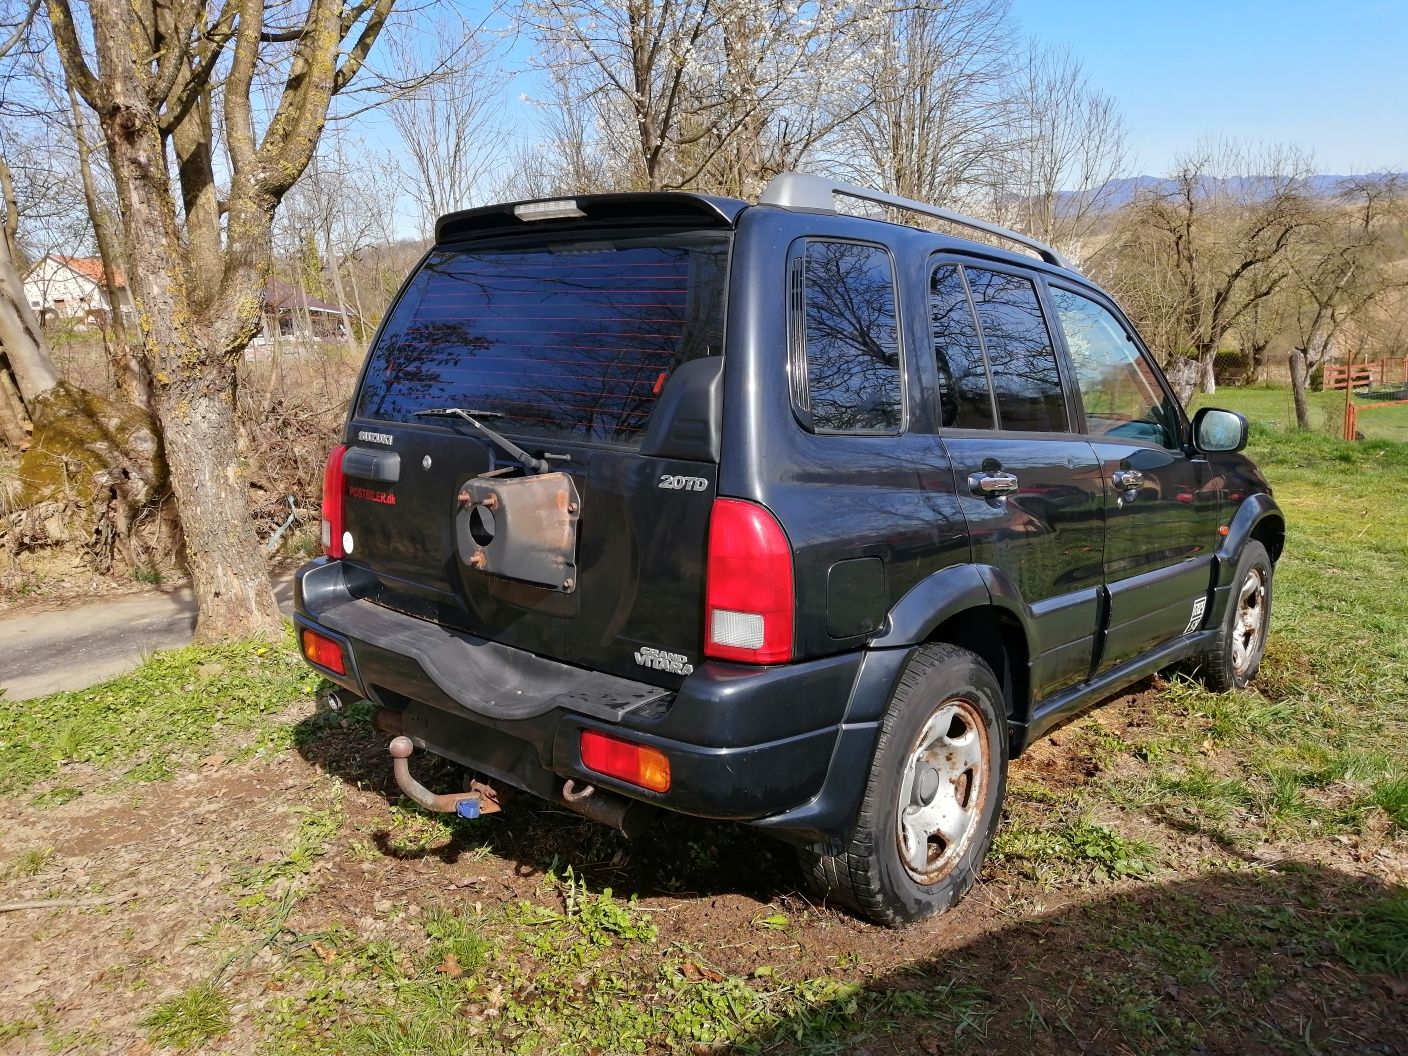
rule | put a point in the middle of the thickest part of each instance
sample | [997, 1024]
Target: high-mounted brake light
[749, 601]
[636, 764]
[559, 210]
[333, 488]
[323, 651]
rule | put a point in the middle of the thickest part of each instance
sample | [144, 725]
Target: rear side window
[563, 340]
[847, 376]
[965, 394]
[1025, 379]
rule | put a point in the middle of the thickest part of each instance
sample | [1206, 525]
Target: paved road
[71, 648]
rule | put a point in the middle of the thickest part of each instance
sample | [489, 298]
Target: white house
[72, 288]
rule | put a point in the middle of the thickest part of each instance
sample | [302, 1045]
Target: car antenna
[531, 464]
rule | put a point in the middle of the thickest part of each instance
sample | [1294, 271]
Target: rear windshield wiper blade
[472, 416]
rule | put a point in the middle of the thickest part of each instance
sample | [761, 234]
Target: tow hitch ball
[480, 799]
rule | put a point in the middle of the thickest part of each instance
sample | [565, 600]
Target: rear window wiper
[472, 416]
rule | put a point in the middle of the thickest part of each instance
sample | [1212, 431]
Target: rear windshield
[564, 339]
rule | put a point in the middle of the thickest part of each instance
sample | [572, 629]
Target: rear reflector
[323, 651]
[333, 487]
[748, 592]
[635, 764]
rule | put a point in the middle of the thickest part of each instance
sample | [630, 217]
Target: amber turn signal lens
[636, 764]
[323, 651]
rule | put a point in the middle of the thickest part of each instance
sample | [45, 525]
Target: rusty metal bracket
[522, 528]
[469, 804]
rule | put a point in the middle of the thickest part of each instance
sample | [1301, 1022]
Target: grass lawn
[1274, 408]
[1176, 872]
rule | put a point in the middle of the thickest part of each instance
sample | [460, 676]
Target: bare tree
[931, 108]
[1345, 269]
[448, 126]
[716, 93]
[199, 258]
[1067, 145]
[1216, 239]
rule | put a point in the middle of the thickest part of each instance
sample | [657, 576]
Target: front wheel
[932, 798]
[1236, 652]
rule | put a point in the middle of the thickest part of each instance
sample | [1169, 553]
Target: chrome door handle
[1127, 479]
[992, 484]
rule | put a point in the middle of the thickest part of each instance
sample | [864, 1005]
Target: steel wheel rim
[943, 790]
[1249, 625]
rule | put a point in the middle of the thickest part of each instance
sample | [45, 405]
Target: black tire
[1225, 666]
[865, 871]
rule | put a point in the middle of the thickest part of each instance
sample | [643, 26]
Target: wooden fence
[1362, 375]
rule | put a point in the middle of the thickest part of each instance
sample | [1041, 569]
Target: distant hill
[1116, 193]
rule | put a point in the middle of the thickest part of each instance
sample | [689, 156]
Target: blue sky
[1331, 78]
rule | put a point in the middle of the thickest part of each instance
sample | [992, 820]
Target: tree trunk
[128, 371]
[194, 391]
[1299, 386]
[348, 338]
[1208, 377]
[21, 336]
[15, 425]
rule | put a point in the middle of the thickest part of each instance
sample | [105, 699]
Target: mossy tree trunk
[199, 297]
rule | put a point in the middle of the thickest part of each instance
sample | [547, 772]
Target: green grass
[1322, 746]
[198, 1014]
[1071, 849]
[182, 700]
[1273, 407]
[1376, 938]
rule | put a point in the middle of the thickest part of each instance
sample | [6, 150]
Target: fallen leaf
[450, 966]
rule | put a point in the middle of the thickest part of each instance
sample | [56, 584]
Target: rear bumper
[768, 746]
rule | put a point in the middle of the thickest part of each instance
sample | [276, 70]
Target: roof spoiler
[648, 209]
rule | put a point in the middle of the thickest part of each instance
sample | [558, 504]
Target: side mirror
[1216, 430]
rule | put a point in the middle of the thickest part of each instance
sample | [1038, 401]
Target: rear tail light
[636, 764]
[748, 608]
[333, 487]
[323, 651]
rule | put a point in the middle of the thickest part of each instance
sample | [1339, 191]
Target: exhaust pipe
[465, 804]
[627, 816]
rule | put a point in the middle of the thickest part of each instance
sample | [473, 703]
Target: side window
[1025, 379]
[849, 348]
[965, 393]
[1122, 397]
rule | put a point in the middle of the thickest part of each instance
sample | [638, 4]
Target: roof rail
[803, 190]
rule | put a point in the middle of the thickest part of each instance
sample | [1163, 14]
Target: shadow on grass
[1301, 959]
[678, 856]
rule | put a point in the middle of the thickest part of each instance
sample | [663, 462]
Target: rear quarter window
[570, 339]
[846, 370]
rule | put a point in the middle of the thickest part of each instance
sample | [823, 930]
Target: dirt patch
[1183, 962]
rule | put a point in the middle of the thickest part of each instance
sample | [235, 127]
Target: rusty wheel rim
[943, 790]
[1250, 626]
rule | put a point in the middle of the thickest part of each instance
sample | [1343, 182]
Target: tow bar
[480, 799]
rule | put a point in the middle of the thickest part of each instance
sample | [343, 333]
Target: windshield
[564, 340]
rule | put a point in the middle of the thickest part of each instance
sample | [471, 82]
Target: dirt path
[72, 647]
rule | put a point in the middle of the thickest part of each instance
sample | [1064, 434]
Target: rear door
[1029, 487]
[599, 351]
[1160, 512]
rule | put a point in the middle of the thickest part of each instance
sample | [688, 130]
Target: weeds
[1376, 938]
[180, 700]
[198, 1014]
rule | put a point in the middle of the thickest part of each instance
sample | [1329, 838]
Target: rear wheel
[1236, 652]
[932, 798]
